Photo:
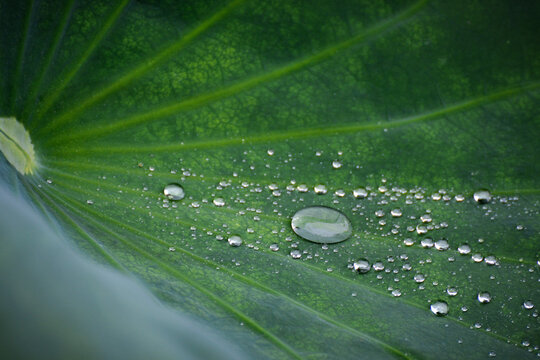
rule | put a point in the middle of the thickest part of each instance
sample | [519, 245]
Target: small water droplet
[482, 196]
[320, 189]
[270, 152]
[340, 193]
[452, 291]
[90, 202]
[362, 266]
[420, 230]
[219, 202]
[336, 164]
[419, 278]
[528, 305]
[360, 193]
[441, 245]
[459, 198]
[477, 258]
[439, 308]
[484, 297]
[274, 247]
[296, 254]
[379, 213]
[321, 224]
[396, 213]
[174, 191]
[302, 188]
[408, 242]
[396, 293]
[172, 249]
[464, 249]
[378, 266]
[490, 260]
[426, 243]
[235, 240]
[426, 218]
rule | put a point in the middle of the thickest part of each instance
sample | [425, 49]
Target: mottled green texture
[122, 98]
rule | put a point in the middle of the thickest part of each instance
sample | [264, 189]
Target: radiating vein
[32, 95]
[180, 276]
[20, 58]
[233, 274]
[200, 100]
[95, 245]
[317, 132]
[66, 79]
[143, 68]
[277, 254]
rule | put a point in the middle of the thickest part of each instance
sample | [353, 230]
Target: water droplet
[439, 308]
[174, 192]
[172, 249]
[270, 152]
[477, 258]
[528, 305]
[396, 213]
[419, 278]
[436, 196]
[90, 202]
[441, 245]
[362, 266]
[408, 242]
[426, 218]
[235, 240]
[451, 291]
[484, 297]
[490, 260]
[396, 293]
[360, 193]
[426, 243]
[219, 202]
[379, 213]
[482, 196]
[296, 254]
[464, 249]
[459, 198]
[378, 266]
[336, 164]
[321, 224]
[274, 247]
[340, 193]
[320, 189]
[420, 230]
[302, 188]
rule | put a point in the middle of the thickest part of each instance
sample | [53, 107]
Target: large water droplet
[362, 266]
[439, 308]
[320, 189]
[360, 193]
[174, 191]
[464, 249]
[219, 202]
[235, 240]
[482, 196]
[441, 245]
[321, 224]
[484, 297]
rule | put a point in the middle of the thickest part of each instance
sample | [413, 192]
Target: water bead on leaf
[321, 224]
[174, 191]
[482, 196]
[439, 308]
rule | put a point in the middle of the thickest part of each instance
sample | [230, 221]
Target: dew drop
[408, 242]
[528, 305]
[360, 193]
[274, 247]
[451, 291]
[419, 278]
[362, 266]
[441, 245]
[477, 258]
[321, 225]
[270, 152]
[320, 189]
[396, 293]
[426, 243]
[490, 260]
[219, 202]
[378, 266]
[396, 213]
[464, 249]
[482, 196]
[379, 213]
[302, 188]
[484, 297]
[174, 191]
[439, 308]
[296, 254]
[336, 164]
[235, 240]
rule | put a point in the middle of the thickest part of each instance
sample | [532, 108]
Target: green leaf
[422, 103]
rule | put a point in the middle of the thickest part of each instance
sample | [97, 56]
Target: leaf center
[16, 145]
